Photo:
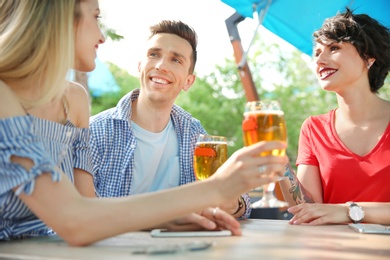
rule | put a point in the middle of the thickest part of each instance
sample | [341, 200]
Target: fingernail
[212, 225]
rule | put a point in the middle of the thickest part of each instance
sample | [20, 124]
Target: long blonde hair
[37, 43]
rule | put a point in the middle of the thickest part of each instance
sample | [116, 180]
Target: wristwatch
[355, 212]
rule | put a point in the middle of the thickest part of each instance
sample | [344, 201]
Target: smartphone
[370, 228]
[173, 248]
[206, 233]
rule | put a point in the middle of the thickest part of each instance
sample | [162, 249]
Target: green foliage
[126, 83]
[110, 33]
[218, 99]
[123, 79]
[300, 96]
[384, 92]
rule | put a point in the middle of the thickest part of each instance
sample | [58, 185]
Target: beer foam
[212, 142]
[272, 112]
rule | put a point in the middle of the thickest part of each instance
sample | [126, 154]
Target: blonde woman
[39, 41]
[34, 61]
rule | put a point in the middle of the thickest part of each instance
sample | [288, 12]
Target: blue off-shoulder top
[52, 147]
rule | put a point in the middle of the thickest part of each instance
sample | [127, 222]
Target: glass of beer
[210, 153]
[264, 121]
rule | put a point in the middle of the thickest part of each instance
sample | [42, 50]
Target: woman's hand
[208, 219]
[318, 214]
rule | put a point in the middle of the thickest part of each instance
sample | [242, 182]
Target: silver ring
[215, 211]
[262, 169]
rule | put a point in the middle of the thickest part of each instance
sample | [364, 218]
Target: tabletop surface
[261, 239]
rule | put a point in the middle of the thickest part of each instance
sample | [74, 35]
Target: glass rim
[265, 104]
[265, 101]
[212, 138]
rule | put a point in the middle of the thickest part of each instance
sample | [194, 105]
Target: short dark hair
[183, 31]
[370, 38]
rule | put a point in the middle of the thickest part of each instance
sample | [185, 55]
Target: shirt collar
[123, 108]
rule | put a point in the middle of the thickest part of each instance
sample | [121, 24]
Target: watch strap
[240, 205]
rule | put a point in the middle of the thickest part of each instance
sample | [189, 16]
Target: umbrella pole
[243, 68]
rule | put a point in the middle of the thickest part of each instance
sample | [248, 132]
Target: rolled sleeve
[82, 152]
[17, 139]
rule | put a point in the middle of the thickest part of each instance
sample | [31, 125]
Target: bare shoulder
[78, 102]
[9, 103]
[77, 90]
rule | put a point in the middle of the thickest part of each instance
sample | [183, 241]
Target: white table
[261, 239]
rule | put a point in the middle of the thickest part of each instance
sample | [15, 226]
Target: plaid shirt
[113, 144]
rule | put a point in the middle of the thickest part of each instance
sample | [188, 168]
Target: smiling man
[146, 142]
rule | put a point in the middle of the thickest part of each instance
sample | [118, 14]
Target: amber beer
[208, 157]
[264, 125]
[264, 121]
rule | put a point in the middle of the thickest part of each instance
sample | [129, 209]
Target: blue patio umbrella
[296, 20]
[101, 81]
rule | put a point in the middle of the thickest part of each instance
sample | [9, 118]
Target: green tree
[126, 83]
[218, 99]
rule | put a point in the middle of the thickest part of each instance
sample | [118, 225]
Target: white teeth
[326, 73]
[160, 81]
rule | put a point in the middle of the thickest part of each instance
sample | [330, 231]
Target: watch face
[356, 213]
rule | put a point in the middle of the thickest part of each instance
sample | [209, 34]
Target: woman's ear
[370, 61]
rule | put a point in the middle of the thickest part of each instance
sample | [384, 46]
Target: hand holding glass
[210, 153]
[264, 121]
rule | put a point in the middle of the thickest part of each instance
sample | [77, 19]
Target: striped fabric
[49, 145]
[113, 144]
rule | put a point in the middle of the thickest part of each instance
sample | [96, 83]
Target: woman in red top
[344, 155]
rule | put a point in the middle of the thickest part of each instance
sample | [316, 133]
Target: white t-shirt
[156, 160]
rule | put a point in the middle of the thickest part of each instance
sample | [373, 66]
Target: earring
[369, 65]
